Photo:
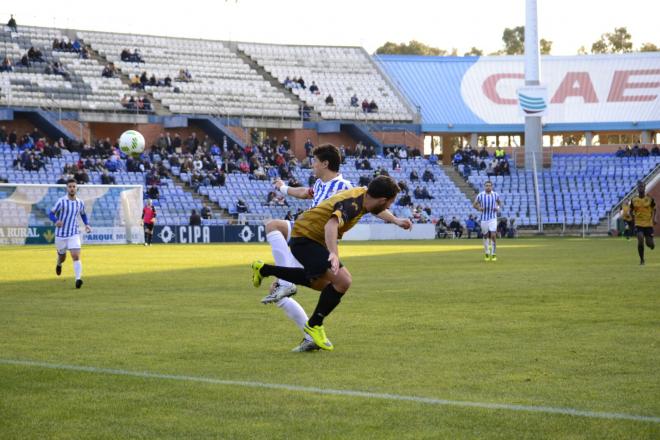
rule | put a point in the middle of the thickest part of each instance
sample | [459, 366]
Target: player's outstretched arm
[297, 192]
[388, 217]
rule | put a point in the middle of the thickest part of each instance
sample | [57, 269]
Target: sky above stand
[458, 24]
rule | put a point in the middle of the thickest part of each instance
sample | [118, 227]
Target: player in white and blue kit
[65, 215]
[489, 204]
[325, 166]
[329, 182]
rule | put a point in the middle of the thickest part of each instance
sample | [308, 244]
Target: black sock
[146, 240]
[149, 238]
[295, 275]
[328, 300]
[640, 251]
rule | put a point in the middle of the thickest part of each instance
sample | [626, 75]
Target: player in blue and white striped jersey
[489, 204]
[65, 215]
[329, 182]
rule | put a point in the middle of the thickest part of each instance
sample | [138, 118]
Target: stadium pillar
[533, 126]
[447, 149]
[589, 138]
[474, 140]
[645, 137]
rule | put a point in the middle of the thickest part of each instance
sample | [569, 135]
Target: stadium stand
[577, 189]
[339, 71]
[214, 81]
[81, 87]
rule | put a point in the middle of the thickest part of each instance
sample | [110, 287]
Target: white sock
[295, 312]
[59, 262]
[492, 248]
[281, 252]
[77, 269]
[486, 245]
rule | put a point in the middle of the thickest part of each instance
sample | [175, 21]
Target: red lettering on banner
[620, 84]
[575, 84]
[489, 87]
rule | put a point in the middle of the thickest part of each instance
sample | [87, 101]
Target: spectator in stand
[195, 219]
[81, 176]
[441, 228]
[456, 227]
[433, 159]
[354, 101]
[6, 65]
[143, 79]
[329, 100]
[403, 153]
[108, 71]
[288, 84]
[35, 55]
[502, 227]
[404, 200]
[413, 176]
[373, 107]
[301, 83]
[309, 146]
[153, 192]
[314, 89]
[422, 193]
[135, 82]
[107, 179]
[206, 213]
[471, 226]
[241, 206]
[11, 24]
[458, 158]
[286, 144]
[25, 61]
[365, 106]
[63, 179]
[428, 176]
[655, 151]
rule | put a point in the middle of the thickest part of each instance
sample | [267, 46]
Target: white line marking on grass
[328, 391]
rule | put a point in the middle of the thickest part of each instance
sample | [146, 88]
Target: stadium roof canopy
[478, 94]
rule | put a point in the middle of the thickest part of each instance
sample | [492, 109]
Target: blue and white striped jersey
[328, 189]
[67, 211]
[489, 204]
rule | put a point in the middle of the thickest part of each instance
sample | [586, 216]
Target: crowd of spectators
[65, 45]
[131, 57]
[637, 151]
[498, 165]
[139, 103]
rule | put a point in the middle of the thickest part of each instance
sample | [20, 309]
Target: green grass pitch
[555, 324]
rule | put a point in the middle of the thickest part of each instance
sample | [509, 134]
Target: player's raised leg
[276, 231]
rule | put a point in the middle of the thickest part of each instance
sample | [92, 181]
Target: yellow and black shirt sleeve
[347, 206]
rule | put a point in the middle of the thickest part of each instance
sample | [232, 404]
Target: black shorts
[149, 227]
[646, 230]
[312, 255]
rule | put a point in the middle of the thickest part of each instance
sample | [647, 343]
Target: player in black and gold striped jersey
[642, 210]
[314, 240]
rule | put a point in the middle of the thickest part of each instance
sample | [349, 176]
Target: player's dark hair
[488, 181]
[383, 186]
[71, 181]
[330, 153]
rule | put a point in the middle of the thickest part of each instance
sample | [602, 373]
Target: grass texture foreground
[560, 338]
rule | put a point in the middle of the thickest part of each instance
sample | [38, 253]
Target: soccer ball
[131, 142]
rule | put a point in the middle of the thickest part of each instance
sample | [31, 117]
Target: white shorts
[67, 243]
[489, 225]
